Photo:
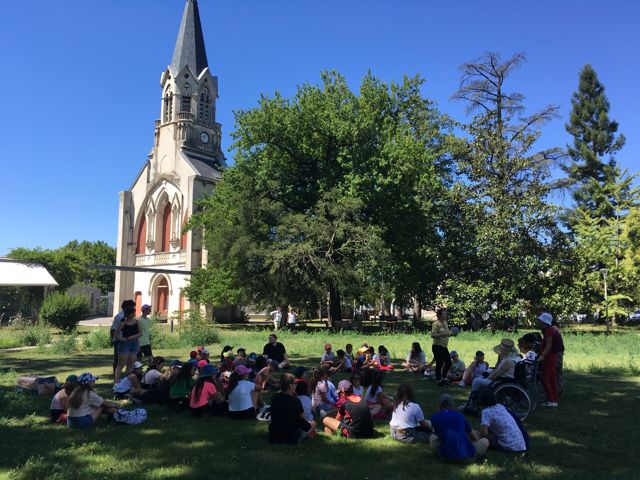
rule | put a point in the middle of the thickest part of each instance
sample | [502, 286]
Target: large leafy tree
[516, 246]
[595, 143]
[332, 192]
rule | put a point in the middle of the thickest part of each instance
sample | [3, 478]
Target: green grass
[591, 435]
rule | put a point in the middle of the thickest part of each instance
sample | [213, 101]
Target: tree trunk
[417, 308]
[335, 308]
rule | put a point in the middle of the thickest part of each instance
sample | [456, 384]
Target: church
[183, 165]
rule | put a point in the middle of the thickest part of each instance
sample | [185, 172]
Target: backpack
[130, 417]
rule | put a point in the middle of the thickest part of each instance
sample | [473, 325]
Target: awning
[17, 273]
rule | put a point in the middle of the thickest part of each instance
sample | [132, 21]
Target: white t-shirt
[151, 377]
[116, 320]
[421, 358]
[90, 401]
[502, 424]
[60, 400]
[407, 416]
[291, 318]
[277, 316]
[530, 356]
[328, 357]
[305, 400]
[123, 386]
[358, 390]
[240, 397]
[372, 398]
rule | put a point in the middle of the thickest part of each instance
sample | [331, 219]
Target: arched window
[142, 235]
[203, 107]
[168, 106]
[163, 296]
[185, 104]
[166, 228]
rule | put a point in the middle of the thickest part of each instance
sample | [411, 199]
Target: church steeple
[190, 48]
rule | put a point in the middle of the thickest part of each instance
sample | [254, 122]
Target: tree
[331, 192]
[595, 143]
[505, 196]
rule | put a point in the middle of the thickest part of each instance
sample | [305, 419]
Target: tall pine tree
[595, 144]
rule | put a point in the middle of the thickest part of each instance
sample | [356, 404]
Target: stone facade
[184, 163]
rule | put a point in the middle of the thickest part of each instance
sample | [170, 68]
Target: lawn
[591, 435]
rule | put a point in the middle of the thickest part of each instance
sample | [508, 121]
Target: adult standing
[292, 319]
[440, 334]
[274, 350]
[114, 326]
[145, 338]
[551, 345]
[127, 335]
[276, 315]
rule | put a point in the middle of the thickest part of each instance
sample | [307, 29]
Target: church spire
[190, 44]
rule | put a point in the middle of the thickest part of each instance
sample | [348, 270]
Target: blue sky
[80, 86]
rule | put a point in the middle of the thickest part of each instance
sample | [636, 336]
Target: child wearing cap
[206, 398]
[328, 357]
[85, 405]
[130, 384]
[242, 395]
[457, 368]
[60, 401]
[407, 422]
[354, 418]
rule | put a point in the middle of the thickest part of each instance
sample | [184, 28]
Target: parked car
[634, 317]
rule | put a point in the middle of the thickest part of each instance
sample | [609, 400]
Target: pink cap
[202, 363]
[242, 370]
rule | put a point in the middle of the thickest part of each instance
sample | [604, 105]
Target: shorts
[145, 350]
[127, 348]
[80, 422]
[325, 407]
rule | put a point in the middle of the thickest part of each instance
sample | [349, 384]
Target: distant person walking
[145, 339]
[276, 315]
[292, 319]
[440, 334]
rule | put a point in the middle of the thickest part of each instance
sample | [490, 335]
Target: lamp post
[604, 272]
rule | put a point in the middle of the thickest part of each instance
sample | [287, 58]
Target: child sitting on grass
[379, 403]
[328, 357]
[407, 422]
[356, 383]
[416, 359]
[242, 395]
[348, 351]
[181, 386]
[477, 369]
[457, 369]
[324, 398]
[354, 418]
[206, 398]
[60, 401]
[382, 360]
[85, 405]
[130, 384]
[343, 364]
[302, 392]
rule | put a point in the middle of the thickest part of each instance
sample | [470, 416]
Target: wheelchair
[521, 393]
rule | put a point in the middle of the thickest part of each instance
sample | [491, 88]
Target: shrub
[64, 311]
[37, 334]
[65, 344]
[195, 330]
[97, 339]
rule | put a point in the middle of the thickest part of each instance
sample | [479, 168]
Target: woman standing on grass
[551, 345]
[85, 405]
[127, 335]
[440, 333]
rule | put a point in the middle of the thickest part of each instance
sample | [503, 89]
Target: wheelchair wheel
[515, 398]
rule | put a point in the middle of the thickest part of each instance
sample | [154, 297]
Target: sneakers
[550, 404]
[429, 373]
[461, 384]
[264, 415]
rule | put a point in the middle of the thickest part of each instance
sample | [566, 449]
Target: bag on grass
[130, 417]
[37, 384]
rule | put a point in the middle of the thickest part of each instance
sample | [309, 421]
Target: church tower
[184, 164]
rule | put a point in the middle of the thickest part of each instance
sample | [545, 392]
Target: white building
[184, 163]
